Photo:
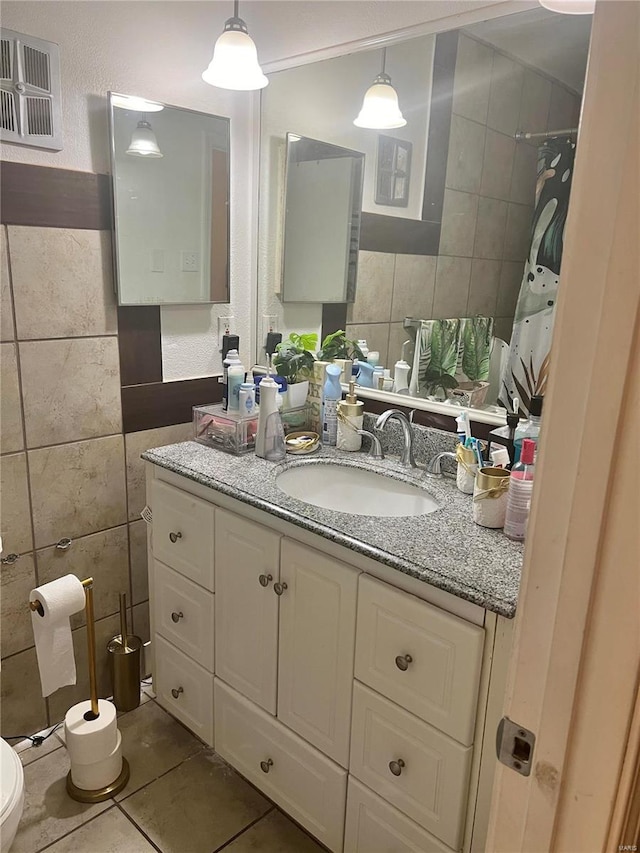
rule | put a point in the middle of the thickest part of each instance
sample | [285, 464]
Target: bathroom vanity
[352, 668]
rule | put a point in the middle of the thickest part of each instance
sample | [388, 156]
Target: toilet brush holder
[124, 663]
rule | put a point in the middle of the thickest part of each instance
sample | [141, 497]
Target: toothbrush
[478, 453]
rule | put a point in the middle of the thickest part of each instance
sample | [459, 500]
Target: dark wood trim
[334, 318]
[428, 419]
[380, 233]
[54, 198]
[139, 344]
[166, 403]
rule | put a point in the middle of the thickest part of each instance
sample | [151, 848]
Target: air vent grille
[6, 60]
[39, 121]
[36, 68]
[8, 111]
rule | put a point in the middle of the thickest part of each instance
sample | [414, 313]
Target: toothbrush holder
[467, 469]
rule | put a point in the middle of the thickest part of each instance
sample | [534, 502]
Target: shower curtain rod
[519, 135]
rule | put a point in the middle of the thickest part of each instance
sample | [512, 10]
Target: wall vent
[30, 96]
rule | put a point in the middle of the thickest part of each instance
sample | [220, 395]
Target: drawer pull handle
[175, 536]
[265, 580]
[403, 661]
[176, 617]
[176, 692]
[279, 588]
[396, 766]
[265, 766]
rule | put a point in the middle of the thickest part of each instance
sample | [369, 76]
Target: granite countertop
[444, 548]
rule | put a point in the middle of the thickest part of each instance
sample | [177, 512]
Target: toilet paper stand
[105, 791]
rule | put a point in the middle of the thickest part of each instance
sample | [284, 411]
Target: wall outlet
[189, 261]
[269, 324]
[225, 327]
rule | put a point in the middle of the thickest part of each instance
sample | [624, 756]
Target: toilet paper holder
[87, 583]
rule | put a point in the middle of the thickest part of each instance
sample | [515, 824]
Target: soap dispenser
[350, 419]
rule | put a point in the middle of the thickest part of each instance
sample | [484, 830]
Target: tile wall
[488, 205]
[67, 469]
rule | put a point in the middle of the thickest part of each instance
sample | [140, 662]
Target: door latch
[514, 746]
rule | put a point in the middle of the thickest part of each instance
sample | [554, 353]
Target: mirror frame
[114, 197]
[441, 25]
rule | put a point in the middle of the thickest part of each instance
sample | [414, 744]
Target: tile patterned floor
[181, 798]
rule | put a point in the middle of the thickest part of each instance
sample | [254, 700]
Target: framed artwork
[393, 171]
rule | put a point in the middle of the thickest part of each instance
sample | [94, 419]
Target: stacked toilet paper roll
[94, 745]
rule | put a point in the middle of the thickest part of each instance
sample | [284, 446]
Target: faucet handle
[375, 451]
[411, 414]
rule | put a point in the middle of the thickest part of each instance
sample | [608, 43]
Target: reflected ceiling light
[570, 7]
[380, 108]
[235, 59]
[143, 141]
[138, 105]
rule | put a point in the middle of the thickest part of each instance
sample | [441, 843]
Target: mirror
[170, 171]
[323, 199]
[459, 243]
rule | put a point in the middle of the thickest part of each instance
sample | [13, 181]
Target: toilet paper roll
[52, 631]
[89, 741]
[91, 777]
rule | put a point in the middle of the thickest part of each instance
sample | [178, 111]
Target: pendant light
[235, 59]
[380, 108]
[143, 141]
[570, 7]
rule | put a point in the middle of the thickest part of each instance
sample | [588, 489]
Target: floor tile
[196, 807]
[29, 753]
[153, 743]
[49, 812]
[110, 832]
[274, 833]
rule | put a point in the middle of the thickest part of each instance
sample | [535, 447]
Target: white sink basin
[354, 490]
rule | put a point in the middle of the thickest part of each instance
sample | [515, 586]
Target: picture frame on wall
[393, 171]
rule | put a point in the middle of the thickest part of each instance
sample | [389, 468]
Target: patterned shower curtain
[528, 364]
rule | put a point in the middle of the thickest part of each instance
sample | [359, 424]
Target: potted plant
[337, 345]
[294, 361]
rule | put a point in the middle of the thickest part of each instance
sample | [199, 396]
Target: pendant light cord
[384, 59]
[236, 4]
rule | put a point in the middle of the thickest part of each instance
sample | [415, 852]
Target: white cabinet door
[183, 532]
[410, 764]
[420, 657]
[308, 786]
[317, 640]
[183, 614]
[247, 566]
[373, 826]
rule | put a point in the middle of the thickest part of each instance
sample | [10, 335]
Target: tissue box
[226, 431]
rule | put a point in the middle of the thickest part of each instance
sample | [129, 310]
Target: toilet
[11, 793]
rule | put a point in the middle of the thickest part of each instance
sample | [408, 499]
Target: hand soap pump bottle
[350, 419]
[268, 406]
[332, 392]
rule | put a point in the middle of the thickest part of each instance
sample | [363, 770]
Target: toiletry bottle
[268, 405]
[377, 379]
[401, 377]
[529, 428]
[332, 392]
[519, 495]
[232, 357]
[235, 378]
[247, 398]
[364, 349]
[350, 419]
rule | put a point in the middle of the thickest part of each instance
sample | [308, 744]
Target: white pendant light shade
[143, 142]
[570, 7]
[235, 60]
[380, 108]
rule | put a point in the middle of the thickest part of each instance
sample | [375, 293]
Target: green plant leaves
[476, 348]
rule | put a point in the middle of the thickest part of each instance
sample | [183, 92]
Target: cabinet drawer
[373, 826]
[184, 689]
[183, 532]
[422, 658]
[183, 614]
[308, 786]
[416, 768]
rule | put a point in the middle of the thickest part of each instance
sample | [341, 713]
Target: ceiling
[555, 44]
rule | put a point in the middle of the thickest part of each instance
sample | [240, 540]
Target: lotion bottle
[268, 405]
[350, 419]
[332, 393]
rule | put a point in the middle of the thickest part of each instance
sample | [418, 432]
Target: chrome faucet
[434, 466]
[407, 434]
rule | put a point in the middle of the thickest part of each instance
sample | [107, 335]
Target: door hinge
[514, 746]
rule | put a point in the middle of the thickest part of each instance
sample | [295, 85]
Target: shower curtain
[527, 367]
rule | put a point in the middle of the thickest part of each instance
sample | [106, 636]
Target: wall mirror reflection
[170, 170]
[462, 282]
[323, 200]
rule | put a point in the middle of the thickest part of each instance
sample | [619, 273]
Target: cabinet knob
[175, 536]
[265, 580]
[176, 692]
[279, 588]
[177, 616]
[403, 661]
[396, 766]
[265, 766]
